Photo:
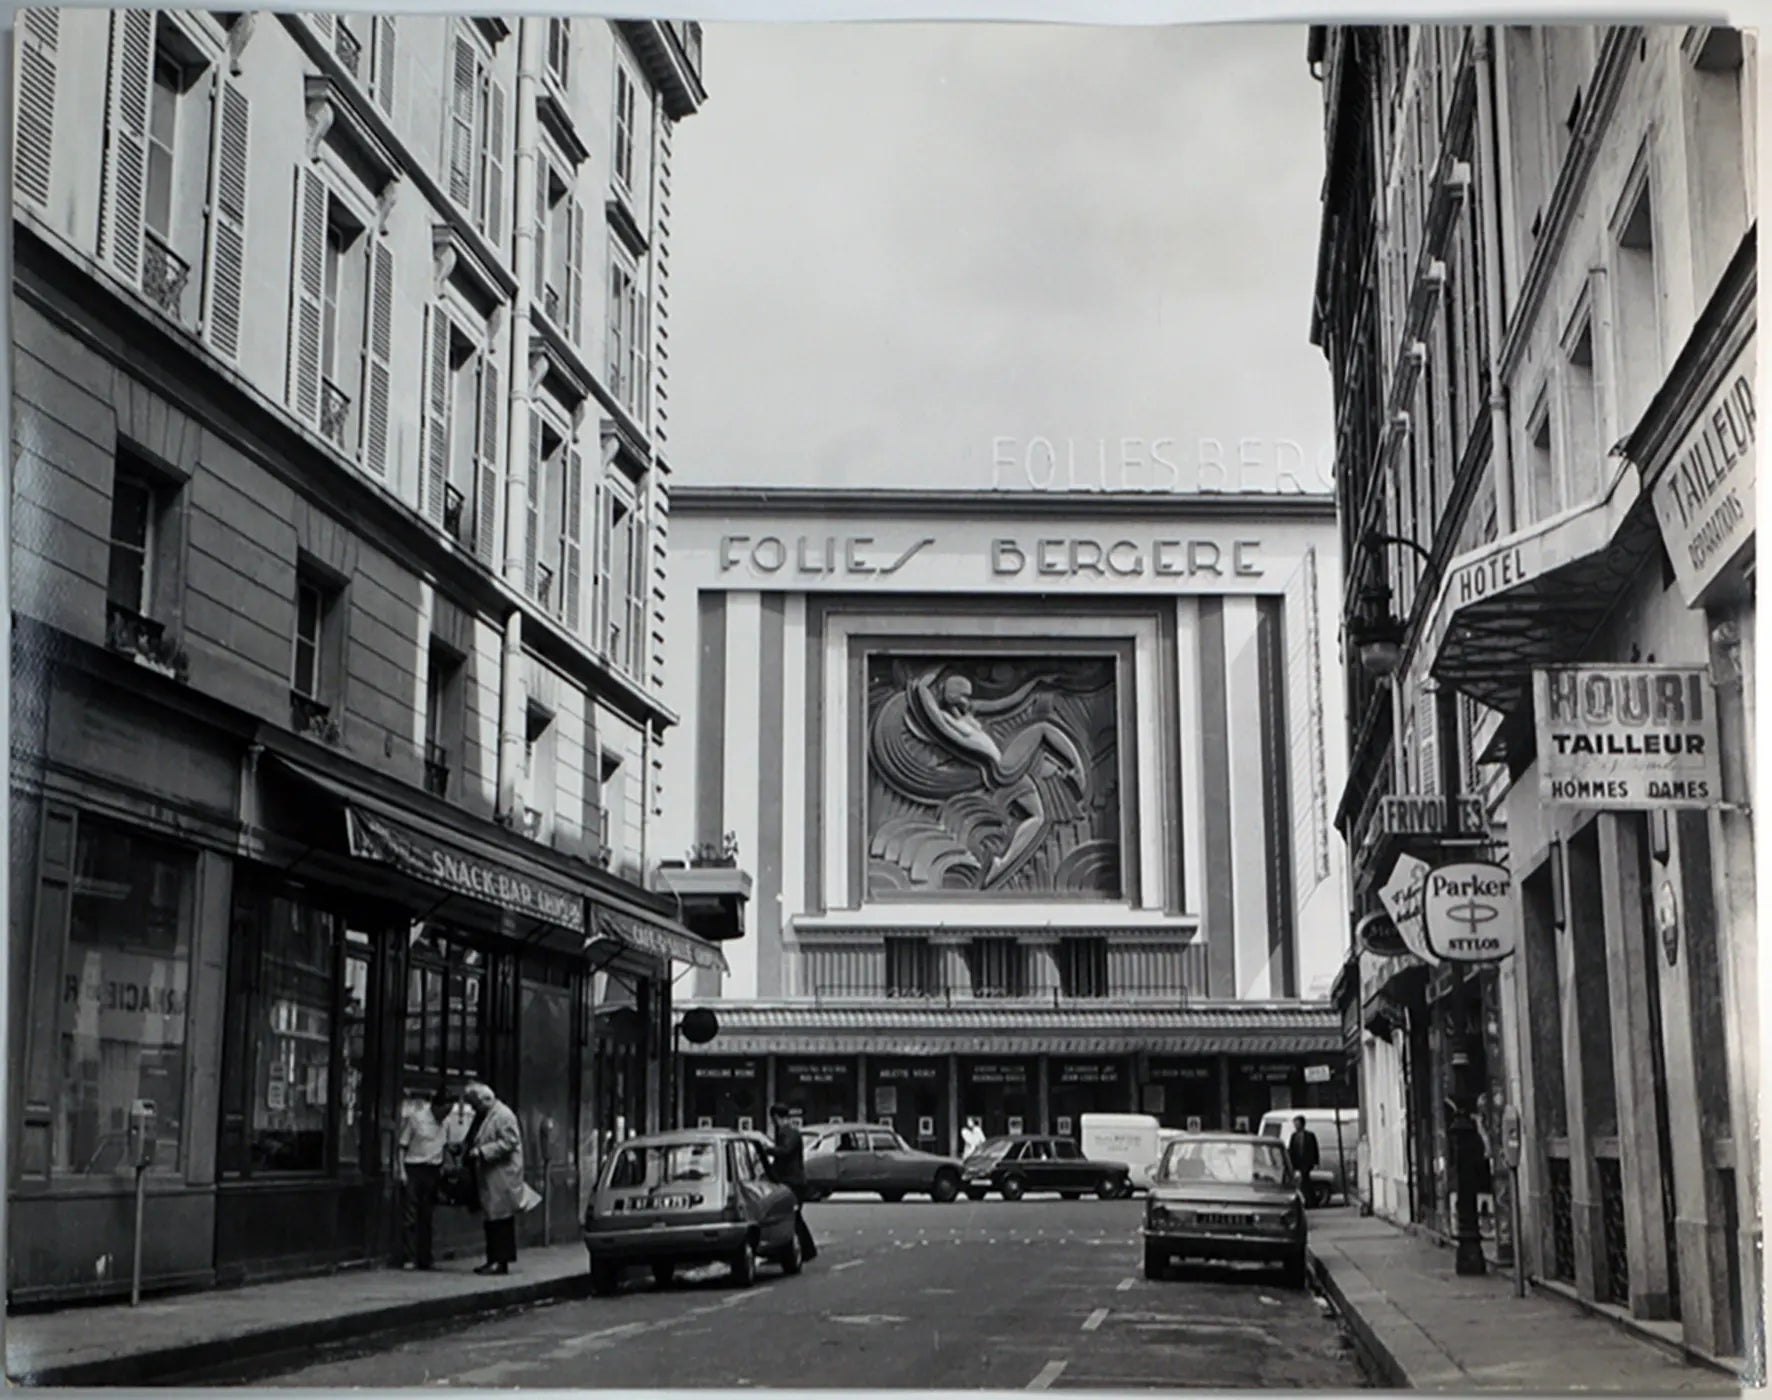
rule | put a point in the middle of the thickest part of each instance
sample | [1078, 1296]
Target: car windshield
[640, 1167]
[1235, 1162]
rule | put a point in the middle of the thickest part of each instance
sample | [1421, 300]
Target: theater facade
[1033, 788]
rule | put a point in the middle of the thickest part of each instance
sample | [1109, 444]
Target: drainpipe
[514, 713]
[1488, 153]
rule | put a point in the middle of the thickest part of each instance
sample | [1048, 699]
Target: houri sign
[1629, 737]
[1468, 913]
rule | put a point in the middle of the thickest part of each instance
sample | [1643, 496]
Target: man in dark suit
[1302, 1149]
[787, 1163]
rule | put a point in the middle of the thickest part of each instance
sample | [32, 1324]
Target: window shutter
[1427, 738]
[377, 374]
[605, 550]
[495, 169]
[532, 508]
[575, 270]
[308, 288]
[461, 121]
[325, 26]
[34, 123]
[486, 489]
[642, 356]
[541, 230]
[125, 191]
[224, 282]
[637, 573]
[571, 539]
[436, 465]
[384, 63]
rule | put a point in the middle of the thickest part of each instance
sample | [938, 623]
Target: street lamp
[1374, 632]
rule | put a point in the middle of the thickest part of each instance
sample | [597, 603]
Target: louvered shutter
[125, 192]
[377, 372]
[572, 537]
[1427, 739]
[636, 582]
[437, 406]
[325, 26]
[532, 509]
[307, 289]
[642, 355]
[224, 281]
[39, 36]
[605, 508]
[486, 490]
[541, 230]
[495, 169]
[461, 122]
[575, 271]
[384, 63]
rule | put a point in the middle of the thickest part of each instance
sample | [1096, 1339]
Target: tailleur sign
[1467, 911]
[1626, 737]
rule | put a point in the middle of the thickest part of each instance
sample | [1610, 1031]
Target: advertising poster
[1626, 737]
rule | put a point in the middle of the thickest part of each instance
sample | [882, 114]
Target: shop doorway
[911, 1096]
[1086, 1086]
[545, 1101]
[726, 1094]
[1182, 1094]
[818, 1091]
[1004, 1095]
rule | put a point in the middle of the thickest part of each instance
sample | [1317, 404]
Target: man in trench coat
[495, 1155]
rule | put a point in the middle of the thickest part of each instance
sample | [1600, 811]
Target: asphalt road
[1041, 1294]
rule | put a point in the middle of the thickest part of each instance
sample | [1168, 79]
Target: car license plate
[1206, 1217]
[672, 1202]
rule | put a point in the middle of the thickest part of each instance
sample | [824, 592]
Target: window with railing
[627, 357]
[1083, 967]
[913, 968]
[477, 136]
[443, 721]
[998, 967]
[621, 572]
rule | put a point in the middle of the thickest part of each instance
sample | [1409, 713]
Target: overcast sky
[902, 252]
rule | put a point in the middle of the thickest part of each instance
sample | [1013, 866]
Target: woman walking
[495, 1156]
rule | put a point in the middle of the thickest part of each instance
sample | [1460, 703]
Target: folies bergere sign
[1630, 737]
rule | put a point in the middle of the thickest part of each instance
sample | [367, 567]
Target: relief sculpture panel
[994, 775]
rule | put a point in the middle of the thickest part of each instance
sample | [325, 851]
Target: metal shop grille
[1562, 1207]
[1617, 1283]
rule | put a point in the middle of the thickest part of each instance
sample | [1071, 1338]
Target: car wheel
[892, 1197]
[1296, 1272]
[947, 1186]
[664, 1273]
[1156, 1263]
[976, 1193]
[1108, 1188]
[604, 1277]
[1014, 1188]
[793, 1261]
[744, 1265]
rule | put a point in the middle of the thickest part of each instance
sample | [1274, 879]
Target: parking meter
[1510, 1136]
[143, 1136]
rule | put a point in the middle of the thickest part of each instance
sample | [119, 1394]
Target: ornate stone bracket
[238, 37]
[538, 371]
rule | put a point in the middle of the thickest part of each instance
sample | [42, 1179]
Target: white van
[1336, 1156]
[1132, 1138]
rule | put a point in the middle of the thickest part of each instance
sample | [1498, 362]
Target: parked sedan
[865, 1157]
[1013, 1166]
[1225, 1196]
[696, 1196]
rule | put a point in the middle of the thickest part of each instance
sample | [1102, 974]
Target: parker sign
[1468, 913]
[1630, 737]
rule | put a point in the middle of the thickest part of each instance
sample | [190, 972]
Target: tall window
[445, 1001]
[122, 1009]
[1083, 968]
[1636, 319]
[442, 718]
[620, 597]
[538, 771]
[134, 514]
[1586, 464]
[627, 332]
[559, 47]
[476, 137]
[162, 144]
[310, 613]
[999, 967]
[625, 94]
[1540, 465]
[913, 969]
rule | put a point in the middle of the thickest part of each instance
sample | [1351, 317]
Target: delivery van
[1132, 1138]
[1336, 1157]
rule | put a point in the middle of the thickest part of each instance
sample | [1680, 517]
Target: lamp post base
[1470, 1262]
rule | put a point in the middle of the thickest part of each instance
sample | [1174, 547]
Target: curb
[1377, 1358]
[260, 1344]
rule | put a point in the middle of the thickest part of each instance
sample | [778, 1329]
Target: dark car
[1225, 1196]
[867, 1157]
[695, 1196]
[1013, 1166]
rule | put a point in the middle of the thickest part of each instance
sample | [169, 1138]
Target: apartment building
[1536, 298]
[340, 505]
[1035, 789]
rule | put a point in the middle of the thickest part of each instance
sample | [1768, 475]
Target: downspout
[514, 688]
[1488, 153]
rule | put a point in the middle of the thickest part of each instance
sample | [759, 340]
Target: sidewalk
[1420, 1326]
[114, 1344]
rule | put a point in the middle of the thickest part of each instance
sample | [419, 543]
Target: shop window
[297, 1038]
[1083, 967]
[445, 1009]
[913, 968]
[124, 986]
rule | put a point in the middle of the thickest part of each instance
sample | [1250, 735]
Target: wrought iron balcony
[164, 276]
[335, 412]
[144, 639]
[454, 508]
[312, 718]
[436, 770]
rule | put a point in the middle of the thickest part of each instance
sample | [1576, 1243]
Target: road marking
[868, 1319]
[1050, 1372]
[1125, 1285]
[1095, 1319]
[846, 1264]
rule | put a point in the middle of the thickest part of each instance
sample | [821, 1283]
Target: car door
[897, 1166]
[1071, 1170]
[855, 1161]
[767, 1203]
[1037, 1167]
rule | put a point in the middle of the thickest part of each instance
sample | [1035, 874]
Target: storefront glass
[1086, 1086]
[545, 1086]
[1182, 1094]
[727, 1094]
[445, 1001]
[1259, 1086]
[1002, 1094]
[819, 1091]
[911, 1096]
[122, 1015]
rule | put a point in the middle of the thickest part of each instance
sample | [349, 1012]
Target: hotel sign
[1704, 497]
[1468, 913]
[388, 843]
[1626, 737]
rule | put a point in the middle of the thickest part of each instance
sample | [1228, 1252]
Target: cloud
[895, 243]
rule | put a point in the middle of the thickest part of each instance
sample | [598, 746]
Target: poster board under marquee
[1468, 912]
[1626, 737]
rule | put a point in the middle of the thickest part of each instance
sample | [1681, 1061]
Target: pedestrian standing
[495, 1155]
[972, 1136]
[787, 1162]
[419, 1169]
[1302, 1149]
